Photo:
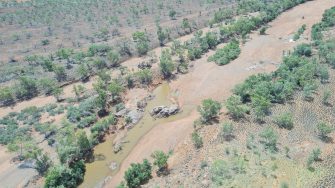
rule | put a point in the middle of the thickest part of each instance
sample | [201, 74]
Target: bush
[27, 88]
[209, 110]
[6, 96]
[235, 107]
[226, 54]
[324, 130]
[326, 96]
[197, 140]
[284, 120]
[138, 174]
[226, 131]
[313, 156]
[160, 160]
[220, 172]
[114, 58]
[262, 31]
[63, 176]
[145, 76]
[269, 139]
[303, 50]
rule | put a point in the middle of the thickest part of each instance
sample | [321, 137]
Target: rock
[135, 116]
[144, 65]
[164, 111]
[117, 147]
[113, 165]
[142, 104]
[104, 182]
[121, 113]
[28, 164]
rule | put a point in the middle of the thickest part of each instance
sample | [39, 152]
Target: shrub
[172, 14]
[284, 120]
[27, 88]
[59, 73]
[114, 58]
[226, 54]
[324, 130]
[145, 76]
[115, 88]
[303, 50]
[83, 71]
[326, 96]
[262, 31]
[138, 174]
[63, 176]
[220, 172]
[160, 160]
[209, 110]
[6, 96]
[313, 156]
[323, 73]
[308, 91]
[98, 49]
[269, 139]
[235, 107]
[197, 140]
[211, 39]
[226, 131]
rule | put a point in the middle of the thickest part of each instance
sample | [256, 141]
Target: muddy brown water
[98, 170]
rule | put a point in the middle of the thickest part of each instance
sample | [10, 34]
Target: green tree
[162, 34]
[166, 65]
[115, 88]
[142, 42]
[211, 39]
[160, 160]
[172, 14]
[101, 100]
[83, 143]
[138, 174]
[209, 110]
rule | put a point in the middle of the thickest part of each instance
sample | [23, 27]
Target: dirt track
[207, 80]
